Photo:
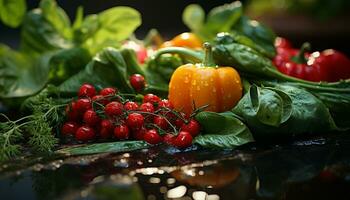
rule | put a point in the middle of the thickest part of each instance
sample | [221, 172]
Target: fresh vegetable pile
[229, 81]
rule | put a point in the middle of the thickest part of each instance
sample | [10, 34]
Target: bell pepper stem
[208, 60]
[300, 57]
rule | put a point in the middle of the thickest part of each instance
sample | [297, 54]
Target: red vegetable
[130, 105]
[329, 65]
[114, 109]
[192, 127]
[147, 107]
[183, 140]
[137, 81]
[152, 137]
[91, 118]
[69, 128]
[81, 105]
[135, 121]
[121, 132]
[106, 128]
[161, 122]
[151, 98]
[87, 90]
[108, 91]
[85, 133]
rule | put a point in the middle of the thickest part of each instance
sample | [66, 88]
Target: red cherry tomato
[87, 90]
[130, 105]
[152, 137]
[85, 133]
[100, 99]
[161, 122]
[168, 138]
[147, 107]
[69, 128]
[114, 109]
[121, 132]
[106, 129]
[108, 91]
[183, 140]
[135, 121]
[193, 127]
[151, 98]
[139, 133]
[137, 82]
[91, 118]
[82, 105]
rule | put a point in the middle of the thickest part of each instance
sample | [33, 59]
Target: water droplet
[206, 83]
[187, 80]
[194, 82]
[198, 88]
[214, 90]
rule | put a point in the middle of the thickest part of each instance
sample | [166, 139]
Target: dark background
[166, 16]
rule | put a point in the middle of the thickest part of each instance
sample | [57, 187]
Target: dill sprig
[37, 128]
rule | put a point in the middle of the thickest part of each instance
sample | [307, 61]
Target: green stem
[208, 60]
[190, 55]
[300, 58]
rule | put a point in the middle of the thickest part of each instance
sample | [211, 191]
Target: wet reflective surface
[313, 168]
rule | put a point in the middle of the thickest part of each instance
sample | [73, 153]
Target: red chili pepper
[329, 65]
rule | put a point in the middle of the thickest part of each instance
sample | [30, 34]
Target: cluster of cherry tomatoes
[112, 115]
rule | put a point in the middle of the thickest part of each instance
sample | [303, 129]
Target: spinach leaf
[110, 147]
[284, 111]
[222, 130]
[20, 75]
[66, 63]
[108, 68]
[12, 12]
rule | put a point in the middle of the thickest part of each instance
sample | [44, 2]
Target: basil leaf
[222, 130]
[108, 68]
[110, 147]
[12, 12]
[193, 16]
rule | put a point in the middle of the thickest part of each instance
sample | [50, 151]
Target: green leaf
[120, 146]
[57, 17]
[108, 68]
[193, 16]
[20, 75]
[222, 130]
[262, 36]
[40, 35]
[108, 28]
[66, 63]
[12, 12]
[284, 111]
[222, 18]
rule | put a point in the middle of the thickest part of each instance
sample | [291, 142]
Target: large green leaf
[20, 75]
[108, 68]
[284, 111]
[12, 12]
[108, 28]
[222, 130]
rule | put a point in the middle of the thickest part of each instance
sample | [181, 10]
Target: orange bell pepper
[189, 40]
[196, 85]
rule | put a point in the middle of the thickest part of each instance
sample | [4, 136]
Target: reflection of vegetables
[216, 176]
[188, 40]
[203, 84]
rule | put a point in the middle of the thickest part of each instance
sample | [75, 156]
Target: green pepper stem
[208, 60]
[300, 58]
